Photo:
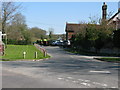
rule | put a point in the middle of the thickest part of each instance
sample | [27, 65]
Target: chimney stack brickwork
[104, 11]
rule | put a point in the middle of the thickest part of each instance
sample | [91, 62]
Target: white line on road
[114, 87]
[100, 71]
[69, 77]
[60, 78]
[83, 82]
[86, 84]
[102, 84]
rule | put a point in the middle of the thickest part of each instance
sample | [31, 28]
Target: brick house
[72, 28]
[115, 20]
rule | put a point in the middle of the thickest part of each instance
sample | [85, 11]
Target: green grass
[110, 59]
[15, 52]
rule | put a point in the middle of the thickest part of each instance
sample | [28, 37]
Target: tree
[51, 30]
[93, 34]
[116, 38]
[16, 27]
[102, 32]
[27, 38]
[9, 9]
[94, 19]
[18, 19]
[38, 33]
[17, 31]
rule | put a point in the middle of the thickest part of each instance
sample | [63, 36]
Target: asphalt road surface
[62, 70]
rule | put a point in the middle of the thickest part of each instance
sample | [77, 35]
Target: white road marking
[72, 56]
[86, 84]
[60, 78]
[100, 71]
[69, 77]
[105, 85]
[84, 80]
[75, 81]
[113, 87]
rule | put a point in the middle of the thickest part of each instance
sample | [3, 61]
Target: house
[72, 28]
[115, 20]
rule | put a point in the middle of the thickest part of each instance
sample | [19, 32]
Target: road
[62, 70]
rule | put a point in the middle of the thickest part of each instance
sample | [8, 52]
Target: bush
[11, 41]
[18, 42]
[116, 38]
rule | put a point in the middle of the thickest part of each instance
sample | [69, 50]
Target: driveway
[64, 70]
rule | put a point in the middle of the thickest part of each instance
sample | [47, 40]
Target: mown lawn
[15, 52]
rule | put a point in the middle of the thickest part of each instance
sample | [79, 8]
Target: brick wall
[70, 34]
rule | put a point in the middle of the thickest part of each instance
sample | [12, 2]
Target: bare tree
[110, 14]
[18, 19]
[9, 9]
[94, 19]
[16, 27]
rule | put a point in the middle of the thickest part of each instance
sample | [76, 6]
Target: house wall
[70, 35]
[71, 29]
[119, 25]
[0, 36]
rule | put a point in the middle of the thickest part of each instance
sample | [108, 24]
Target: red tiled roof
[113, 16]
[72, 27]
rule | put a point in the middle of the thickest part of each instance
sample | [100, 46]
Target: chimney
[118, 9]
[104, 11]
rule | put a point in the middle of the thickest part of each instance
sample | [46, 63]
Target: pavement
[62, 70]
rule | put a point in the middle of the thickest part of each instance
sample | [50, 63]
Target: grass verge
[109, 59]
[88, 53]
[15, 52]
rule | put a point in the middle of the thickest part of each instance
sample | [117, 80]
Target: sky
[46, 15]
